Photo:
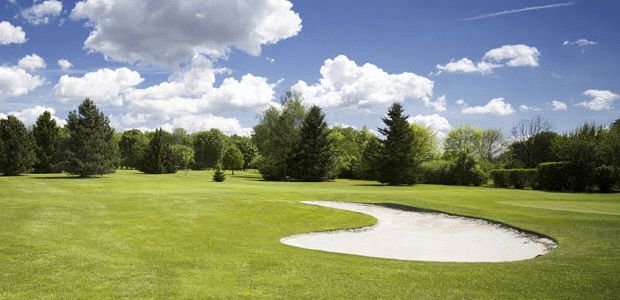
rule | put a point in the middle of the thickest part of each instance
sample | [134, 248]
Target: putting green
[611, 208]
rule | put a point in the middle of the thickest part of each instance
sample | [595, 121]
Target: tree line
[294, 143]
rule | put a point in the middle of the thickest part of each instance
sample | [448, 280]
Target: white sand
[410, 235]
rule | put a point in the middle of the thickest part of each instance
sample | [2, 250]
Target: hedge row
[558, 176]
[517, 178]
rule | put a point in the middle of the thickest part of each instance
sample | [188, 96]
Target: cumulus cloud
[434, 121]
[168, 32]
[344, 83]
[10, 34]
[496, 107]
[188, 99]
[526, 108]
[579, 43]
[41, 13]
[600, 100]
[29, 115]
[104, 86]
[64, 64]
[504, 56]
[557, 105]
[31, 62]
[15, 81]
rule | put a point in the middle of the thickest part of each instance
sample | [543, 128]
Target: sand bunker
[426, 236]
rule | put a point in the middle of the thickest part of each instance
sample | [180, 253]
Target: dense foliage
[158, 157]
[233, 159]
[398, 162]
[209, 148]
[312, 158]
[47, 136]
[17, 147]
[88, 149]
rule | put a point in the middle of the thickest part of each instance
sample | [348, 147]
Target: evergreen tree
[218, 175]
[233, 159]
[131, 146]
[312, 159]
[17, 146]
[89, 148]
[47, 137]
[158, 157]
[398, 162]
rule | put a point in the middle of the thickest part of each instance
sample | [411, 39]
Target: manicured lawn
[174, 236]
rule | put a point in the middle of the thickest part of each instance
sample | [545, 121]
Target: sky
[201, 64]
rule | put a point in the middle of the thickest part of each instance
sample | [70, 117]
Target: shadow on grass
[64, 177]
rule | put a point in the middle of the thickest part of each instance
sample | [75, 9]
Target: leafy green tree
[461, 139]
[465, 170]
[208, 148]
[158, 157]
[424, 142]
[233, 159]
[131, 146]
[17, 147]
[312, 159]
[370, 162]
[47, 137]
[247, 148]
[183, 156]
[90, 147]
[276, 136]
[609, 149]
[579, 148]
[399, 164]
[534, 150]
[181, 137]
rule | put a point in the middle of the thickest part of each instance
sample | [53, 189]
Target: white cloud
[16, 82]
[40, 13]
[64, 64]
[31, 62]
[439, 104]
[193, 123]
[434, 121]
[504, 56]
[600, 100]
[579, 43]
[557, 105]
[525, 108]
[460, 102]
[10, 34]
[496, 107]
[168, 32]
[104, 86]
[343, 83]
[29, 115]
[465, 65]
[514, 55]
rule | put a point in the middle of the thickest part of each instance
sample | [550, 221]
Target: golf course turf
[174, 236]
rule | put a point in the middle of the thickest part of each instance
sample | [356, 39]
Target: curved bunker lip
[409, 233]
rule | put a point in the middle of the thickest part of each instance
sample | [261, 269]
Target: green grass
[174, 236]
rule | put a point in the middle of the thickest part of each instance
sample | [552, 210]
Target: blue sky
[203, 64]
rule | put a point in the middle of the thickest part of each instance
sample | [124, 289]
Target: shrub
[553, 175]
[500, 178]
[466, 170]
[219, 175]
[605, 178]
[518, 178]
[436, 172]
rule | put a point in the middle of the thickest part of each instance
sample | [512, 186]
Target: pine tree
[219, 175]
[398, 163]
[47, 137]
[89, 148]
[131, 147]
[312, 159]
[16, 147]
[233, 159]
[158, 157]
